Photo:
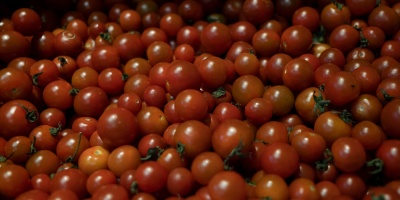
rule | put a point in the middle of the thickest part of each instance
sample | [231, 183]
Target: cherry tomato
[227, 184]
[15, 180]
[151, 176]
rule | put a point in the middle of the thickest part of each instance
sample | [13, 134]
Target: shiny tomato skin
[342, 88]
[14, 180]
[227, 184]
[15, 84]
[349, 154]
[93, 159]
[388, 152]
[19, 117]
[71, 179]
[331, 127]
[151, 176]
[216, 38]
[90, 102]
[389, 117]
[280, 154]
[117, 126]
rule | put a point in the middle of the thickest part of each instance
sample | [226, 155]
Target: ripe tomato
[388, 152]
[232, 134]
[309, 145]
[258, 111]
[310, 103]
[99, 178]
[71, 146]
[151, 176]
[272, 186]
[298, 74]
[327, 189]
[182, 75]
[369, 134]
[19, 117]
[389, 117]
[194, 136]
[70, 179]
[205, 165]
[302, 188]
[272, 131]
[180, 182]
[123, 158]
[348, 154]
[280, 154]
[266, 42]
[14, 180]
[344, 37]
[117, 126]
[227, 184]
[90, 102]
[245, 88]
[15, 84]
[13, 45]
[351, 185]
[42, 162]
[216, 38]
[281, 97]
[172, 158]
[191, 104]
[59, 94]
[93, 159]
[342, 88]
[296, 40]
[331, 126]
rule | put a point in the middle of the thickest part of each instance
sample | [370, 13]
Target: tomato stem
[73, 91]
[386, 96]
[62, 60]
[31, 115]
[105, 36]
[152, 153]
[320, 103]
[54, 131]
[71, 158]
[181, 149]
[322, 165]
[345, 115]
[235, 152]
[35, 78]
[377, 164]
[219, 92]
[338, 5]
[32, 149]
[125, 77]
[134, 187]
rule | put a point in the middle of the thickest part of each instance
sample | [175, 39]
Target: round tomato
[93, 159]
[227, 185]
[14, 180]
[342, 88]
[390, 116]
[348, 154]
[151, 176]
[332, 125]
[280, 154]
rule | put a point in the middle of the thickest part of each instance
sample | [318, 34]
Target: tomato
[130, 20]
[366, 107]
[227, 184]
[388, 153]
[70, 179]
[43, 72]
[93, 159]
[59, 94]
[272, 186]
[303, 188]
[389, 117]
[180, 182]
[111, 191]
[205, 165]
[304, 142]
[274, 69]
[351, 185]
[307, 17]
[259, 111]
[172, 158]
[105, 57]
[213, 72]
[15, 84]
[327, 189]
[151, 176]
[232, 134]
[266, 42]
[334, 14]
[251, 8]
[388, 90]
[272, 131]
[42, 162]
[281, 97]
[191, 104]
[84, 125]
[280, 154]
[123, 158]
[341, 88]
[385, 18]
[71, 146]
[344, 37]
[41, 182]
[63, 194]
[13, 45]
[117, 126]
[194, 136]
[151, 120]
[14, 180]
[19, 117]
[296, 40]
[381, 192]
[298, 74]
[68, 43]
[225, 110]
[306, 171]
[348, 154]
[216, 38]
[90, 102]
[369, 134]
[247, 87]
[310, 103]
[331, 126]
[182, 75]
[151, 142]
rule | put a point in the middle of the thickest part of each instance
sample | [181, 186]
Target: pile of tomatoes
[205, 99]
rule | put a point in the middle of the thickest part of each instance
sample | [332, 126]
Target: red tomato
[71, 179]
[14, 180]
[388, 152]
[348, 154]
[15, 84]
[117, 126]
[93, 159]
[390, 116]
[151, 176]
[280, 154]
[342, 88]
[227, 184]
